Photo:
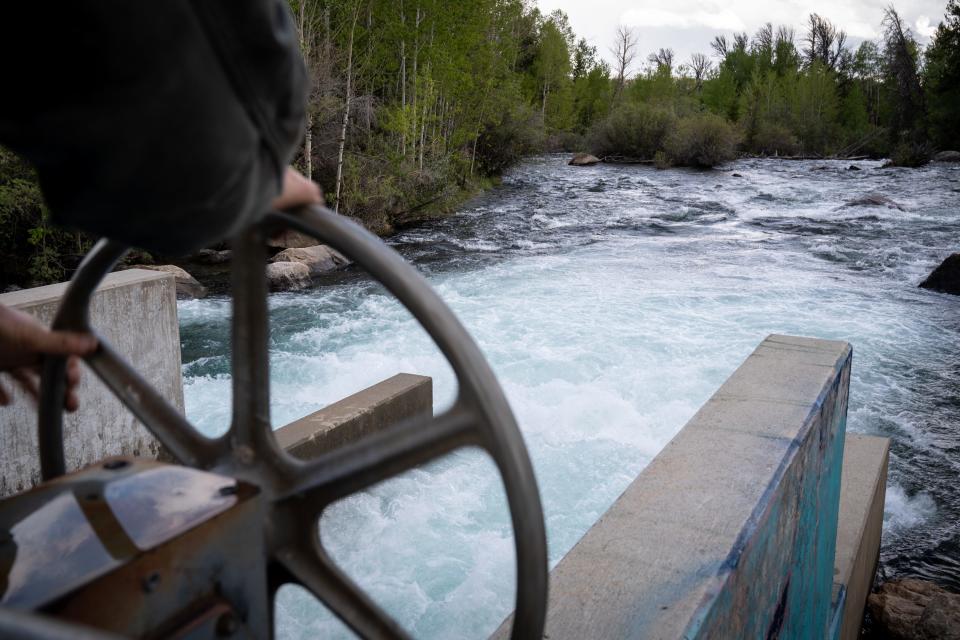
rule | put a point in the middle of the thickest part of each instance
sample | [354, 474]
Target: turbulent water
[612, 302]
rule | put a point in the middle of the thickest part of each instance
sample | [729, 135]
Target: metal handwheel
[296, 492]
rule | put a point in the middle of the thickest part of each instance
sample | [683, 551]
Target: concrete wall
[364, 413]
[730, 532]
[862, 492]
[136, 312]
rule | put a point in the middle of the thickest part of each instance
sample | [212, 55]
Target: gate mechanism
[136, 548]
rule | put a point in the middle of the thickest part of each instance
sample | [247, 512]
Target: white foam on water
[604, 349]
[903, 511]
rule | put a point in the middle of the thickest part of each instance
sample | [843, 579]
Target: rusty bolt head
[151, 582]
[245, 455]
[227, 625]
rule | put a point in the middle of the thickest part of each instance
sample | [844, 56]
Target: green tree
[942, 76]
[553, 71]
[908, 117]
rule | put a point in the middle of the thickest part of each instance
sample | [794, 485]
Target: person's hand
[23, 343]
[298, 190]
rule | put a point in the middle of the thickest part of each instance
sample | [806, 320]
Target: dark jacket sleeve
[165, 125]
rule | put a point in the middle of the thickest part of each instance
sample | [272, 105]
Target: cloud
[720, 19]
[924, 28]
[689, 25]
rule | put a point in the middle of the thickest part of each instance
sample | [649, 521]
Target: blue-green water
[612, 302]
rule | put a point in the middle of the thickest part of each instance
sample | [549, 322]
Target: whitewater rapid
[612, 302]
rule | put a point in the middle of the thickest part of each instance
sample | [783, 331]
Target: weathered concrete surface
[188, 288]
[136, 312]
[863, 489]
[362, 414]
[730, 532]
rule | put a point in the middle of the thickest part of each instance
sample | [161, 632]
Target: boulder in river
[873, 200]
[946, 277]
[854, 167]
[319, 258]
[584, 160]
[291, 239]
[915, 610]
[947, 156]
[188, 288]
[288, 276]
[212, 256]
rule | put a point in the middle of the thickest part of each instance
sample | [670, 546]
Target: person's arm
[167, 126]
[23, 343]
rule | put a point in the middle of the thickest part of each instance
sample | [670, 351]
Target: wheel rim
[297, 492]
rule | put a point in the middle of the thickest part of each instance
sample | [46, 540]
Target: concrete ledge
[730, 532]
[364, 413]
[862, 492]
[136, 311]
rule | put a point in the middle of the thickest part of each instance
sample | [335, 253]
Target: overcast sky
[688, 26]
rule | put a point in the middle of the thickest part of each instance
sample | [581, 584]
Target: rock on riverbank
[188, 288]
[947, 156]
[584, 160]
[319, 258]
[288, 276]
[916, 610]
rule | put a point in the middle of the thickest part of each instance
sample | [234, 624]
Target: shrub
[32, 250]
[632, 131]
[507, 142]
[910, 154]
[774, 139]
[703, 140]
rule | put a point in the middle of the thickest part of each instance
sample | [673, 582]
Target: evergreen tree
[942, 75]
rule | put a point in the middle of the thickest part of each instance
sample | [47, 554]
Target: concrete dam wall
[761, 519]
[136, 312]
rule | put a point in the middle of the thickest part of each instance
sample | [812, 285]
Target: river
[612, 301]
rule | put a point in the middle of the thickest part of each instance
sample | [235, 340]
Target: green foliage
[32, 251]
[910, 154]
[632, 131]
[703, 141]
[772, 139]
[519, 134]
[942, 80]
[661, 160]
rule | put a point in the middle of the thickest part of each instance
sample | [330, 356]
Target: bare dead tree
[624, 52]
[741, 42]
[700, 66]
[720, 47]
[824, 42]
[763, 41]
[785, 35]
[662, 59]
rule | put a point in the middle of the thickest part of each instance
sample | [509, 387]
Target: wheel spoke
[392, 451]
[250, 430]
[173, 431]
[315, 571]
